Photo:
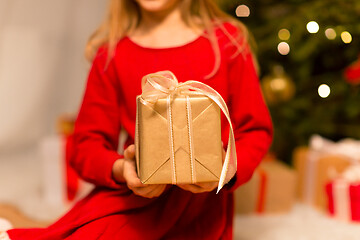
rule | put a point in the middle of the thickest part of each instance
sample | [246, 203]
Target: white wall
[42, 67]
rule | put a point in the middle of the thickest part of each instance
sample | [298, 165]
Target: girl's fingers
[190, 187]
[132, 180]
[134, 183]
[207, 186]
[130, 170]
[130, 175]
[146, 191]
[157, 191]
[149, 191]
[129, 152]
[199, 187]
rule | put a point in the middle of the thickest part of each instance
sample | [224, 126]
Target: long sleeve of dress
[250, 116]
[98, 125]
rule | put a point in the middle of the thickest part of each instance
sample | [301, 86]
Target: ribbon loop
[164, 84]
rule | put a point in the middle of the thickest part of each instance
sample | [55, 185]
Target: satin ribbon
[72, 178]
[352, 174]
[341, 199]
[164, 84]
[260, 206]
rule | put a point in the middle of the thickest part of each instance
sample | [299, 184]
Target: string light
[283, 48]
[324, 90]
[284, 34]
[346, 37]
[330, 33]
[242, 11]
[312, 27]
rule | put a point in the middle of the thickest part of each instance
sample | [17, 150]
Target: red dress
[112, 211]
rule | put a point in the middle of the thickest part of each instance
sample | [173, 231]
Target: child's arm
[96, 134]
[98, 125]
[251, 119]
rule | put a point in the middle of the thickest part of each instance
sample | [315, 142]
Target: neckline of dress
[165, 48]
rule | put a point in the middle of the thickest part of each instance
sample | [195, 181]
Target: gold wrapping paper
[154, 161]
[325, 166]
[274, 195]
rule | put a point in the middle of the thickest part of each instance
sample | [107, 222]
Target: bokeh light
[284, 34]
[324, 90]
[242, 11]
[346, 37]
[283, 48]
[330, 33]
[278, 84]
[312, 27]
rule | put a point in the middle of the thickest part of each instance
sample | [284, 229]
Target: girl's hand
[201, 187]
[124, 170]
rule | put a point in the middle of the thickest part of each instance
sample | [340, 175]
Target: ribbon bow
[348, 148]
[352, 174]
[164, 84]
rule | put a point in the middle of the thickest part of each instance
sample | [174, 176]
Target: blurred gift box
[318, 164]
[343, 194]
[270, 190]
[61, 184]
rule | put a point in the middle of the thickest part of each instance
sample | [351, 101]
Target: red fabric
[72, 178]
[112, 211]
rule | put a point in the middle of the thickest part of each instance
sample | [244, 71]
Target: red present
[352, 73]
[344, 200]
[321, 163]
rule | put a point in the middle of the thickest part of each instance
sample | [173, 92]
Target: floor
[302, 223]
[21, 201]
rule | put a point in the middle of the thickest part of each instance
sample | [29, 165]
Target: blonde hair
[124, 16]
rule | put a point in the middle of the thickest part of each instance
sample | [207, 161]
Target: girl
[194, 40]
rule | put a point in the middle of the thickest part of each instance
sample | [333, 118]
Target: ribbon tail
[72, 179]
[226, 173]
[342, 201]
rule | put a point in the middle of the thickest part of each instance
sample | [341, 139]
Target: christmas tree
[308, 52]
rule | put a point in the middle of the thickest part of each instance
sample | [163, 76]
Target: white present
[55, 171]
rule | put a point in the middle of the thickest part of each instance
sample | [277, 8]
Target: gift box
[270, 190]
[178, 133]
[155, 161]
[343, 196]
[318, 164]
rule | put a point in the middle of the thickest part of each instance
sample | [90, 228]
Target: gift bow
[349, 148]
[346, 148]
[164, 84]
[352, 174]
